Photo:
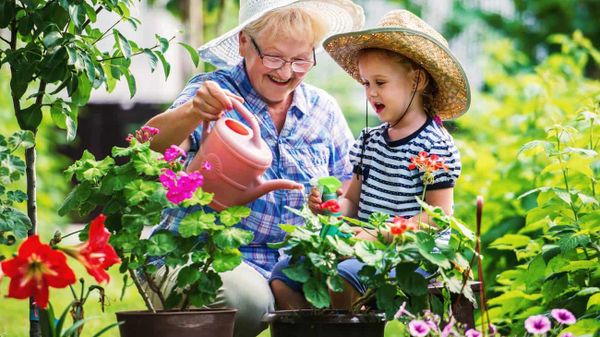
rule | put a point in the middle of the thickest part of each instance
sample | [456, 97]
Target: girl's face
[388, 84]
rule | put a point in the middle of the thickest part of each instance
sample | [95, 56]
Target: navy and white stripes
[388, 185]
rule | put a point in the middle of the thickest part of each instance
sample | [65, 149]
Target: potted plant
[314, 258]
[133, 195]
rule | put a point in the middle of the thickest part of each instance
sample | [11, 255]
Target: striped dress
[388, 185]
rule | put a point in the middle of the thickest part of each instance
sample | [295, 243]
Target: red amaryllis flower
[36, 267]
[331, 205]
[96, 254]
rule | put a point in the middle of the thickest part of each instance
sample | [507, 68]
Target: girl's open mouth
[379, 107]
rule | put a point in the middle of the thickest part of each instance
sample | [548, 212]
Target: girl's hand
[314, 201]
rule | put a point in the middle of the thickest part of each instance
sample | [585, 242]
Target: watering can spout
[265, 187]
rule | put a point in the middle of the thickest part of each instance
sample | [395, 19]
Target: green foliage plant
[314, 260]
[315, 256]
[55, 61]
[401, 248]
[559, 248]
[133, 195]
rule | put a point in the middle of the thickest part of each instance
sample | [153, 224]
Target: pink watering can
[237, 157]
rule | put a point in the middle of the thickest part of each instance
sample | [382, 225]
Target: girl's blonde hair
[408, 64]
[291, 22]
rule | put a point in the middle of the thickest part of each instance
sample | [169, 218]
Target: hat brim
[340, 16]
[453, 96]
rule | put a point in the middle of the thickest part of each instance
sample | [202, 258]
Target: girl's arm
[349, 201]
[443, 198]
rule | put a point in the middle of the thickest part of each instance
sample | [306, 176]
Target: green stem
[132, 55]
[566, 180]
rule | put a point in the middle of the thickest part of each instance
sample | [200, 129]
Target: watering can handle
[247, 115]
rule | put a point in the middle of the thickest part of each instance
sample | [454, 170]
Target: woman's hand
[211, 101]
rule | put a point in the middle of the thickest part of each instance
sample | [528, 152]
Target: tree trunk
[34, 323]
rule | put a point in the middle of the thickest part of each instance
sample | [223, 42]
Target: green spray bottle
[328, 187]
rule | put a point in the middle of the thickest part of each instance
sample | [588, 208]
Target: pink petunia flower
[563, 316]
[537, 324]
[449, 328]
[472, 333]
[418, 328]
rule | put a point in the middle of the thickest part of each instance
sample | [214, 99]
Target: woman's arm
[175, 125]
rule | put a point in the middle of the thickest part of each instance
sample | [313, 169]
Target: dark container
[324, 323]
[193, 323]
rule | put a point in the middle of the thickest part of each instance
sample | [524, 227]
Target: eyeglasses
[274, 62]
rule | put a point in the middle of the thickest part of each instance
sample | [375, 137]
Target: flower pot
[324, 323]
[193, 323]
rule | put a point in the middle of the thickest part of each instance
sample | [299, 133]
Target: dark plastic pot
[193, 323]
[324, 323]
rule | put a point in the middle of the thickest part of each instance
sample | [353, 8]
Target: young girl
[412, 81]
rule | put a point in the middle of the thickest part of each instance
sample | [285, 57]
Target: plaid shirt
[314, 142]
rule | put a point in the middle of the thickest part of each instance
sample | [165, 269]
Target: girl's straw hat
[403, 32]
[339, 15]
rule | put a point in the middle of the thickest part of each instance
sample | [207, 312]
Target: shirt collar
[299, 104]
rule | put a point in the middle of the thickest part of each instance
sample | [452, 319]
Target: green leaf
[233, 238]
[510, 242]
[368, 253]
[21, 138]
[77, 14]
[297, 271]
[165, 64]
[137, 191]
[122, 43]
[288, 228]
[145, 163]
[161, 244]
[335, 283]
[340, 246]
[226, 260]
[130, 83]
[196, 223]
[233, 215]
[316, 293]
[52, 39]
[426, 245]
[385, 295]
[586, 327]
[30, 118]
[579, 265]
[75, 198]
[164, 43]
[554, 286]
[594, 300]
[187, 276]
[193, 53]
[410, 281]
[152, 59]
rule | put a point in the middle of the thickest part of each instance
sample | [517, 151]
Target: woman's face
[274, 85]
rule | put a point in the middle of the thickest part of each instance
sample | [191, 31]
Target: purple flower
[537, 324]
[418, 328]
[492, 329]
[563, 316]
[566, 334]
[472, 333]
[173, 152]
[449, 328]
[207, 166]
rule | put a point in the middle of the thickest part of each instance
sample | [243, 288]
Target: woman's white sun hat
[340, 16]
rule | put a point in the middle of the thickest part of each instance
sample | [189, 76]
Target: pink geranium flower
[563, 316]
[173, 153]
[418, 328]
[180, 186]
[537, 324]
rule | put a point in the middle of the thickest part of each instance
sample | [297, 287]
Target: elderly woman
[262, 64]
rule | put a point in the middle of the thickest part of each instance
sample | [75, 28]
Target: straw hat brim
[453, 96]
[340, 16]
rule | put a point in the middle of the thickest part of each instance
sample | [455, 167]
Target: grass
[14, 315]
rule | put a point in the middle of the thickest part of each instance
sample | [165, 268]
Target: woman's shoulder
[316, 95]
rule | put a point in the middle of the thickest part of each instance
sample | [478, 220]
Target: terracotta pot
[324, 323]
[193, 323]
